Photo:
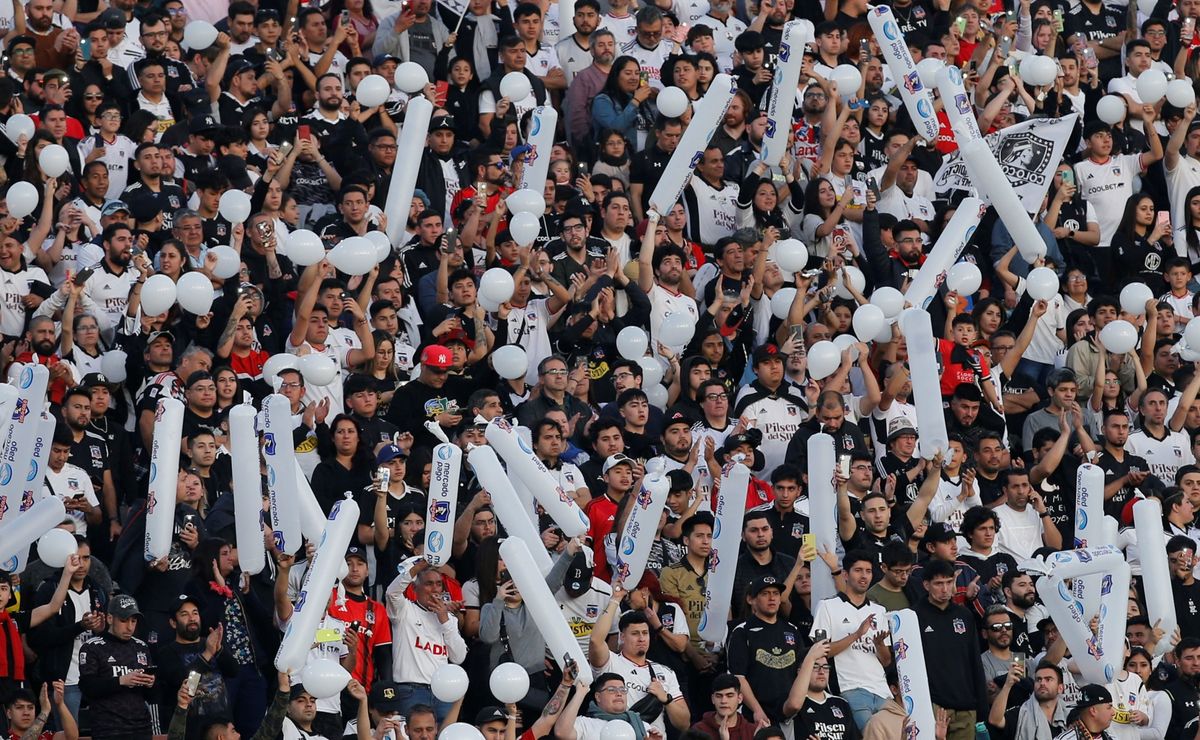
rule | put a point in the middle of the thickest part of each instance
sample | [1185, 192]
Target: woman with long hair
[1073, 221]
[1187, 234]
[612, 159]
[706, 70]
[362, 18]
[381, 370]
[347, 462]
[622, 103]
[758, 202]
[85, 109]
[988, 314]
[874, 129]
[172, 260]
[462, 97]
[80, 342]
[824, 215]
[1141, 244]
[258, 128]
[1158, 701]
[229, 389]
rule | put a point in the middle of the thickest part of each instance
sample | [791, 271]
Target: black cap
[196, 377]
[385, 698]
[490, 714]
[767, 352]
[676, 416]
[356, 551]
[124, 607]
[578, 580]
[439, 123]
[203, 124]
[234, 167]
[30, 40]
[760, 584]
[938, 532]
[113, 18]
[91, 380]
[749, 41]
[145, 206]
[1092, 694]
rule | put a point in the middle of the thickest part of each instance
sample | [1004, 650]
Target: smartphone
[864, 51]
[345, 18]
[1058, 20]
[193, 683]
[385, 478]
[808, 542]
[451, 240]
[844, 466]
[1068, 176]
[99, 141]
[273, 55]
[1089, 58]
[441, 90]
[1019, 659]
[820, 635]
[136, 251]
[873, 186]
[85, 49]
[1164, 220]
[1005, 45]
[82, 276]
[973, 66]
[1188, 28]
[582, 168]
[503, 577]
[643, 79]
[960, 24]
[304, 130]
[285, 147]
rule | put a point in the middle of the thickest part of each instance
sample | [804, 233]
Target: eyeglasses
[1077, 279]
[715, 396]
[615, 690]
[823, 668]
[291, 385]
[1155, 33]
[110, 116]
[574, 227]
[559, 371]
[94, 96]
[497, 165]
[622, 376]
[864, 467]
[22, 50]
[1000, 627]
[386, 147]
[176, 11]
[154, 34]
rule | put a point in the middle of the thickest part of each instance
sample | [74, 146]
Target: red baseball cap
[435, 355]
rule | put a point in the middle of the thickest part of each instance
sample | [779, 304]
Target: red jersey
[368, 618]
[602, 515]
[249, 367]
[58, 387]
[960, 365]
[758, 492]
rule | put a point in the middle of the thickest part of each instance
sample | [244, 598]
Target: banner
[1027, 153]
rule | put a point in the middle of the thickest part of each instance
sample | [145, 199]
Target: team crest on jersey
[789, 638]
[668, 620]
[791, 410]
[797, 530]
[918, 12]
[143, 659]
[960, 627]
[836, 711]
[95, 450]
[593, 611]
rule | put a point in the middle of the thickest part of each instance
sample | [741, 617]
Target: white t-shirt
[527, 328]
[857, 666]
[14, 286]
[725, 34]
[664, 303]
[572, 57]
[1180, 180]
[543, 61]
[117, 155]
[624, 28]
[1107, 186]
[1165, 456]
[902, 206]
[638, 678]
[72, 482]
[946, 506]
[1020, 531]
[338, 353]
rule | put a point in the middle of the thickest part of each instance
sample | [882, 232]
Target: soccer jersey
[1107, 186]
[117, 155]
[1165, 456]
[624, 28]
[857, 666]
[650, 61]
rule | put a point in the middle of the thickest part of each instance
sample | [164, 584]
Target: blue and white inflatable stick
[247, 489]
[822, 502]
[637, 538]
[1099, 656]
[957, 103]
[33, 491]
[280, 456]
[945, 252]
[1156, 575]
[16, 448]
[507, 505]
[781, 98]
[707, 114]
[541, 137]
[164, 478]
[524, 464]
[1089, 531]
[443, 503]
[918, 101]
[722, 563]
[926, 391]
[909, 655]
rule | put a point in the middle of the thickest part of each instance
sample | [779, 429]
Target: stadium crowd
[114, 647]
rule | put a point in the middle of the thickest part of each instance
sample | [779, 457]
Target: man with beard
[53, 47]
[758, 560]
[998, 636]
[1019, 597]
[726, 28]
[575, 251]
[431, 396]
[572, 52]
[1042, 715]
[112, 285]
[1124, 472]
[828, 418]
[646, 167]
[148, 163]
[764, 647]
[192, 651]
[732, 132]
[443, 166]
[587, 84]
[818, 713]
[710, 200]
[489, 166]
[817, 117]
[897, 266]
[1183, 693]
[154, 36]
[661, 278]
[89, 450]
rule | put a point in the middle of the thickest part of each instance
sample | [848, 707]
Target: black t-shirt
[768, 655]
[990, 491]
[920, 16]
[789, 530]
[1110, 21]
[645, 168]
[91, 454]
[1114, 469]
[906, 491]
[831, 719]
[1141, 260]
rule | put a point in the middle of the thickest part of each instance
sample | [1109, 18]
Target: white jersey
[1020, 531]
[110, 292]
[543, 61]
[1180, 180]
[946, 505]
[572, 57]
[716, 210]
[14, 286]
[857, 666]
[336, 352]
[650, 61]
[902, 206]
[1165, 456]
[1129, 696]
[420, 643]
[528, 327]
[581, 612]
[72, 482]
[638, 678]
[689, 11]
[664, 303]
[1107, 186]
[624, 28]
[777, 416]
[118, 153]
[725, 33]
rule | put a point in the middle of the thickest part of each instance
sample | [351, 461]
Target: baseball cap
[938, 532]
[356, 551]
[676, 416]
[387, 453]
[382, 59]
[203, 124]
[613, 461]
[196, 377]
[266, 14]
[579, 573]
[113, 18]
[767, 352]
[490, 714]
[385, 698]
[124, 607]
[91, 380]
[113, 206]
[1092, 694]
[899, 427]
[760, 584]
[438, 356]
[157, 334]
[31, 42]
[439, 123]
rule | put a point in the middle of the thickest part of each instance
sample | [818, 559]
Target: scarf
[1031, 720]
[12, 652]
[630, 716]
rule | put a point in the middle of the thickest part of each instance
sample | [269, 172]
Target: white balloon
[1041, 284]
[1134, 297]
[632, 343]
[781, 302]
[460, 731]
[22, 199]
[354, 256]
[1119, 336]
[885, 332]
[317, 369]
[927, 70]
[791, 255]
[276, 364]
[848, 80]
[868, 321]
[1038, 70]
[53, 160]
[510, 362]
[824, 358]
[383, 245]
[524, 228]
[488, 304]
[677, 329]
[1111, 109]
[324, 678]
[890, 300]
[857, 279]
[449, 683]
[234, 206]
[509, 683]
[846, 342]
[1181, 93]
[1151, 86]
[56, 546]
[199, 35]
[515, 86]
[372, 90]
[657, 396]
[228, 261]
[497, 284]
[672, 102]
[18, 125]
[964, 278]
[526, 200]
[158, 295]
[1191, 333]
[652, 372]
[617, 729]
[305, 248]
[194, 292]
[112, 365]
[411, 78]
